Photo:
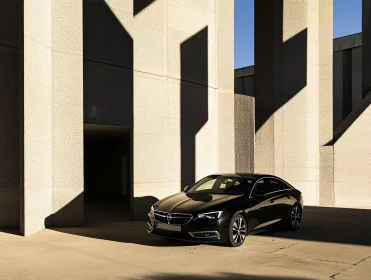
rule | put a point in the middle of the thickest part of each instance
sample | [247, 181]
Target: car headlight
[152, 210]
[211, 215]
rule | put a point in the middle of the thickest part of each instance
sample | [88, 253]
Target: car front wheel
[237, 231]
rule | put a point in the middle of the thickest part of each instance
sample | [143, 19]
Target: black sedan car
[227, 207]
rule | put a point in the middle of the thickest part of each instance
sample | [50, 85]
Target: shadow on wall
[139, 5]
[338, 225]
[108, 67]
[276, 80]
[11, 88]
[232, 276]
[66, 217]
[350, 119]
[194, 100]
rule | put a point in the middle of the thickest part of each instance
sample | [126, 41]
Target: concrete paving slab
[361, 270]
[10, 271]
[348, 254]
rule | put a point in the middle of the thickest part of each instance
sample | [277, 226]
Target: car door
[261, 208]
[286, 199]
[280, 199]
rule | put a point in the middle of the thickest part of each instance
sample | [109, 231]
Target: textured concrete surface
[331, 244]
[352, 158]
[244, 131]
[53, 111]
[183, 88]
[347, 156]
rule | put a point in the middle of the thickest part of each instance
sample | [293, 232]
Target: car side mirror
[259, 193]
[186, 188]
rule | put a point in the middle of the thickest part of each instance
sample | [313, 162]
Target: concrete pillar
[52, 179]
[293, 92]
[366, 46]
[244, 131]
[225, 91]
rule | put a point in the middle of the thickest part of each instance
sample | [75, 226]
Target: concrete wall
[347, 79]
[347, 76]
[352, 158]
[174, 61]
[244, 131]
[346, 159]
[9, 114]
[244, 80]
[293, 93]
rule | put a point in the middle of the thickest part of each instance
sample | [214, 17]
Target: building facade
[89, 87]
[133, 100]
[348, 167]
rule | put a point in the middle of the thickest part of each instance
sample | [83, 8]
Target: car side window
[276, 185]
[262, 185]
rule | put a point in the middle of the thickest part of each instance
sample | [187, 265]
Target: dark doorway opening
[107, 174]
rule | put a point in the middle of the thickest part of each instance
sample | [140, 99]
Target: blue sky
[347, 20]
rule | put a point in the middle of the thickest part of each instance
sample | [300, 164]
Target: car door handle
[271, 201]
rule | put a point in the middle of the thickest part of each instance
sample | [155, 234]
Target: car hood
[191, 202]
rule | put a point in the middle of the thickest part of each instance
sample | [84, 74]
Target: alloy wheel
[239, 230]
[295, 217]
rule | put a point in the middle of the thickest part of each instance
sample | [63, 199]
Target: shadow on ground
[234, 276]
[326, 224]
[109, 219]
[321, 224]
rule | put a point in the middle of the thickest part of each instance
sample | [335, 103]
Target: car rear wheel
[237, 231]
[295, 217]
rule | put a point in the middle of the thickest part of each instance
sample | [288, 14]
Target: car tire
[237, 231]
[294, 219]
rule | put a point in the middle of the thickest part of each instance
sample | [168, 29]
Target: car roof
[246, 175]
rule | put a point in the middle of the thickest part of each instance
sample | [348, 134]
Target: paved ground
[331, 244]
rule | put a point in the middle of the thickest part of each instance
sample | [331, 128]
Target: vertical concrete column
[366, 46]
[52, 114]
[67, 113]
[267, 79]
[225, 78]
[324, 77]
[244, 130]
[293, 90]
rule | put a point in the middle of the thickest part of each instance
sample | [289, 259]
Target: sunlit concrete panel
[225, 65]
[352, 159]
[52, 108]
[67, 114]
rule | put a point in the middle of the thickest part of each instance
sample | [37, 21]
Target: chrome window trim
[271, 177]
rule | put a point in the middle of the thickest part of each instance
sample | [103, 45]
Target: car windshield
[222, 185]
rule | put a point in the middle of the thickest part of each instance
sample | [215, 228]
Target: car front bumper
[197, 230]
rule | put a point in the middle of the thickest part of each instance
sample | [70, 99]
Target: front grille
[176, 218]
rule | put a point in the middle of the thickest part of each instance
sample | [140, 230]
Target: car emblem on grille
[169, 217]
